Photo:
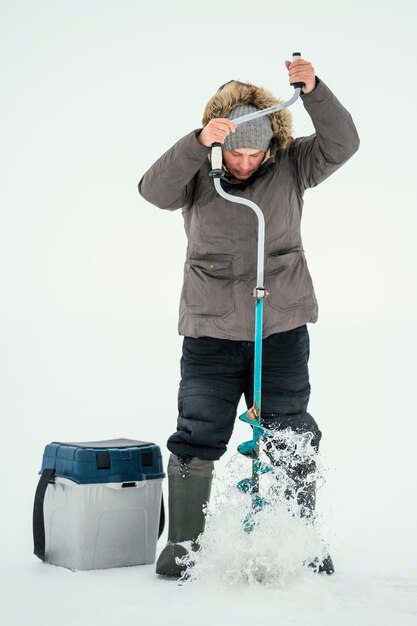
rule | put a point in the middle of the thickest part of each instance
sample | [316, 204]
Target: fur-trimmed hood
[235, 93]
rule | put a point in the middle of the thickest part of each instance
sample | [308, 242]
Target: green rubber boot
[304, 491]
[306, 499]
[189, 487]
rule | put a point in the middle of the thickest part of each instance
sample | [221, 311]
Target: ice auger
[250, 448]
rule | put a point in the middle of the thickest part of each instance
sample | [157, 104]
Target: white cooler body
[101, 525]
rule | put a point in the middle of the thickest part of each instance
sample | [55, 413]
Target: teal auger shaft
[253, 416]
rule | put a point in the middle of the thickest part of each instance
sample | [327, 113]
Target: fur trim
[235, 93]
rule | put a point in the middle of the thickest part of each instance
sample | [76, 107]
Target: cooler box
[99, 504]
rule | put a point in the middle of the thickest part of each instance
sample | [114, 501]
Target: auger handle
[300, 85]
[216, 147]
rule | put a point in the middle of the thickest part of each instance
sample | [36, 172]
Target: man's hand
[301, 71]
[216, 131]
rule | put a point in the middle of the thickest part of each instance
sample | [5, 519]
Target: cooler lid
[107, 443]
[110, 460]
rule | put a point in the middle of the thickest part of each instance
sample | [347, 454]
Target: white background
[93, 92]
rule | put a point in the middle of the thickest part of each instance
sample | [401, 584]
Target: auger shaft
[257, 393]
[253, 416]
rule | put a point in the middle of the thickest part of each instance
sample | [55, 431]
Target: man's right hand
[216, 131]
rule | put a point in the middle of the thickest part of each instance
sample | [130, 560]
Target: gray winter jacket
[220, 266]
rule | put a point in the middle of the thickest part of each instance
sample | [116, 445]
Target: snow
[39, 594]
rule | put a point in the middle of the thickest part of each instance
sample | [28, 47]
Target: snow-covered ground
[360, 594]
[45, 595]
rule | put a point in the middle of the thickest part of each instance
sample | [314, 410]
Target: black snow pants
[216, 372]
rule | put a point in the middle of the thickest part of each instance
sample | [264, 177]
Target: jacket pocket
[208, 286]
[288, 281]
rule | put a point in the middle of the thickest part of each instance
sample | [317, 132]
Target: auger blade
[258, 503]
[250, 417]
[262, 468]
[248, 523]
[259, 430]
[245, 485]
[249, 449]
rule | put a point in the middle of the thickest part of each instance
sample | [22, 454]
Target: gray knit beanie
[255, 134]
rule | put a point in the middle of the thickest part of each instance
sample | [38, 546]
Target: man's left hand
[301, 71]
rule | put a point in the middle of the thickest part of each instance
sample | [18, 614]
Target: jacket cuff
[318, 89]
[321, 93]
[195, 146]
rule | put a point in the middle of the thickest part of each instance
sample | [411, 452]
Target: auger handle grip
[216, 160]
[295, 56]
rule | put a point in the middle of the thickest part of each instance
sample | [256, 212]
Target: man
[264, 163]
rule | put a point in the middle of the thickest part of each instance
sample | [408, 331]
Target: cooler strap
[38, 520]
[161, 517]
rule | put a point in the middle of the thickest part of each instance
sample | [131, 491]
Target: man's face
[244, 162]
